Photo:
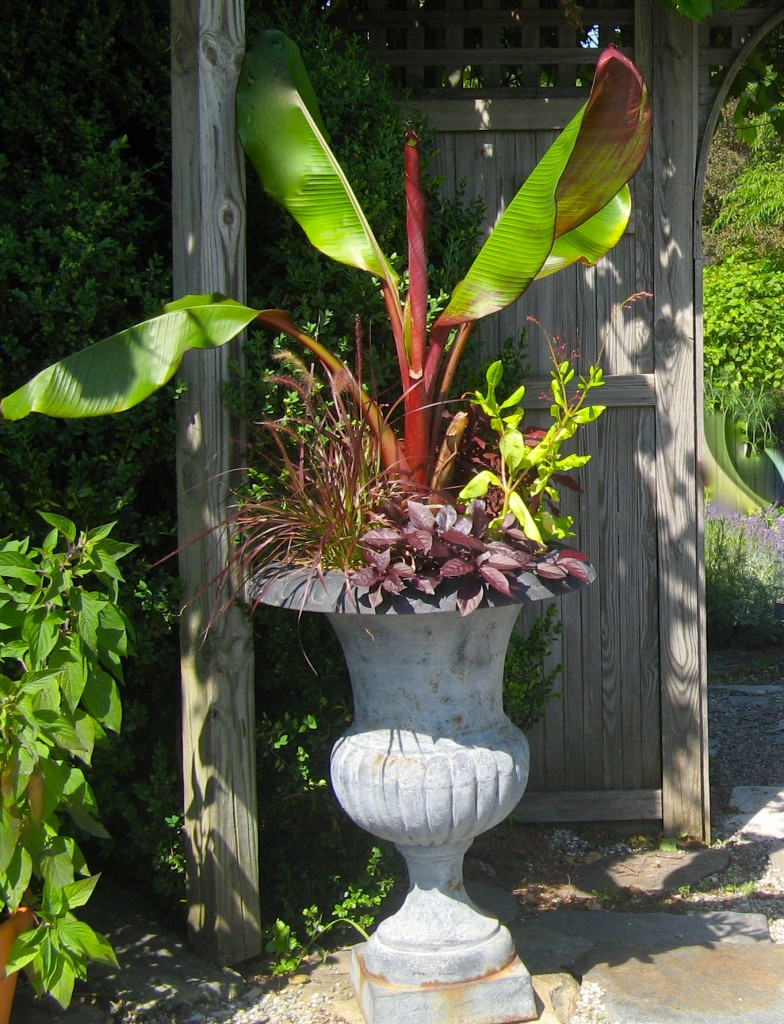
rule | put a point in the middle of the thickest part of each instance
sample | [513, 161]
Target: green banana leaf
[119, 372]
[574, 205]
[282, 132]
[593, 239]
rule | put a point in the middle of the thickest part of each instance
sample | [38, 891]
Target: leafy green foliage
[355, 910]
[83, 236]
[699, 10]
[759, 88]
[530, 460]
[63, 638]
[744, 193]
[744, 342]
[85, 230]
[528, 682]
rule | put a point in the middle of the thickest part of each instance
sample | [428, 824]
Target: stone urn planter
[430, 762]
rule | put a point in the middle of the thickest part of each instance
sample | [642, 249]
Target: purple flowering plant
[744, 577]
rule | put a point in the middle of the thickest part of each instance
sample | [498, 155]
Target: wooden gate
[628, 738]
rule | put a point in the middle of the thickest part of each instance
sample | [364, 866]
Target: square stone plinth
[506, 997]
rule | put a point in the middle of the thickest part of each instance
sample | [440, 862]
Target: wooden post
[217, 670]
[685, 793]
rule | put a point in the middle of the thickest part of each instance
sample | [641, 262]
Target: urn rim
[307, 590]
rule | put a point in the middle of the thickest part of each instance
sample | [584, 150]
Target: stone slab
[560, 940]
[776, 857]
[757, 811]
[498, 902]
[650, 870]
[732, 983]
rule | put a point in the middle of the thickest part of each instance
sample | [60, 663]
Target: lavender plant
[744, 577]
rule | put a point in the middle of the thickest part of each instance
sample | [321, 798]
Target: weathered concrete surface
[728, 984]
[563, 940]
[651, 870]
[757, 811]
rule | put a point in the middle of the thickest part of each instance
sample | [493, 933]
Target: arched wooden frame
[748, 48]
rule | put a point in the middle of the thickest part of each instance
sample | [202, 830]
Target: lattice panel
[485, 48]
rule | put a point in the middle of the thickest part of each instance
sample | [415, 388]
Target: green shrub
[528, 683]
[84, 246]
[744, 342]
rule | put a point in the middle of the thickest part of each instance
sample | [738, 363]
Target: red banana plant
[573, 207]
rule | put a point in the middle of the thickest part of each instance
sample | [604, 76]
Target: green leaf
[495, 373]
[525, 519]
[119, 372]
[55, 778]
[112, 635]
[19, 566]
[57, 867]
[26, 948]
[77, 894]
[593, 239]
[102, 699]
[65, 526]
[100, 532]
[282, 133]
[85, 730]
[80, 938]
[88, 608]
[79, 801]
[479, 485]
[41, 630]
[572, 462]
[577, 193]
[514, 399]
[9, 837]
[71, 665]
[58, 976]
[15, 882]
[513, 449]
[588, 414]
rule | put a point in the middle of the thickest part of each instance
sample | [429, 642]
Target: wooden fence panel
[628, 738]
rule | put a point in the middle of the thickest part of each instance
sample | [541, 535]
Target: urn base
[504, 997]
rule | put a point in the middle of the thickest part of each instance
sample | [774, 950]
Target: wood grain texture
[217, 669]
[591, 805]
[679, 488]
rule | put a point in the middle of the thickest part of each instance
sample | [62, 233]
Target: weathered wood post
[678, 360]
[217, 671]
